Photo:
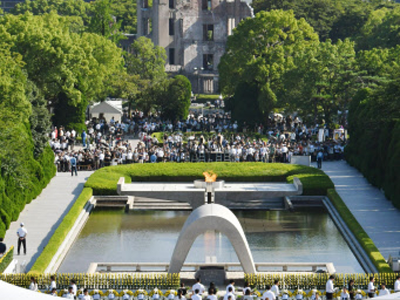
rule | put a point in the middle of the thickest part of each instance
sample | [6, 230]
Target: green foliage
[39, 120]
[6, 259]
[362, 237]
[174, 103]
[104, 181]
[59, 235]
[260, 51]
[125, 11]
[374, 145]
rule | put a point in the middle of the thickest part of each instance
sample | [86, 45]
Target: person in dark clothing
[350, 288]
[3, 247]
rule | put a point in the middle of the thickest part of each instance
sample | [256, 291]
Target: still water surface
[150, 236]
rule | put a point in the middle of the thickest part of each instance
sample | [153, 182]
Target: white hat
[22, 224]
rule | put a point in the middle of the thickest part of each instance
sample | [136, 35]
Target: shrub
[59, 235]
[362, 237]
[6, 259]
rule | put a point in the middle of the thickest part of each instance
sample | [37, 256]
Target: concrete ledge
[301, 160]
[120, 185]
[298, 185]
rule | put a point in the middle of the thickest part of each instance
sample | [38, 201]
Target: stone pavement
[44, 214]
[379, 218]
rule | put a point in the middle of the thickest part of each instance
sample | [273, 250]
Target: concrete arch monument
[212, 217]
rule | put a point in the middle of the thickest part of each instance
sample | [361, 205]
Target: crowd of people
[210, 138]
[198, 291]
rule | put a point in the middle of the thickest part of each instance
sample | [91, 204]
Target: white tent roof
[113, 107]
[12, 292]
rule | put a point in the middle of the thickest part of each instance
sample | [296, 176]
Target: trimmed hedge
[204, 98]
[6, 259]
[104, 181]
[374, 147]
[59, 235]
[362, 237]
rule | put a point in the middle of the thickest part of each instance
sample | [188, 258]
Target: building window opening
[172, 4]
[171, 56]
[146, 26]
[208, 32]
[171, 27]
[208, 61]
[145, 3]
[206, 5]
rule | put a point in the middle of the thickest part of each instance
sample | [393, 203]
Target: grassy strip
[59, 235]
[104, 181]
[362, 237]
[204, 98]
[6, 259]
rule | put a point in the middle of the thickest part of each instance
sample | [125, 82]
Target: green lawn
[104, 181]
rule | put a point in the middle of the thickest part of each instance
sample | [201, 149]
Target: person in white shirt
[211, 295]
[230, 295]
[86, 295]
[73, 286]
[231, 285]
[54, 293]
[275, 288]
[196, 295]
[246, 288]
[344, 295]
[22, 233]
[70, 294]
[268, 294]
[371, 287]
[329, 288]
[33, 286]
[53, 284]
[198, 286]
[397, 285]
[384, 291]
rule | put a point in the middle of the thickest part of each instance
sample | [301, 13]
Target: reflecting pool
[150, 236]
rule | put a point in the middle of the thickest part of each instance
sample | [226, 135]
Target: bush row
[104, 181]
[6, 259]
[23, 176]
[59, 235]
[374, 147]
[362, 237]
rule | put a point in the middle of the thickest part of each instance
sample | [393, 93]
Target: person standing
[73, 164]
[198, 286]
[268, 294]
[397, 284]
[230, 295]
[275, 289]
[3, 247]
[371, 287]
[83, 136]
[350, 288]
[73, 287]
[53, 284]
[232, 285]
[22, 233]
[320, 157]
[329, 288]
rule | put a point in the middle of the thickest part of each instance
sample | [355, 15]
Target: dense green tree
[324, 81]
[177, 102]
[39, 119]
[64, 65]
[261, 51]
[125, 11]
[145, 63]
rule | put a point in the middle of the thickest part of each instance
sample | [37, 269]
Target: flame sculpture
[210, 176]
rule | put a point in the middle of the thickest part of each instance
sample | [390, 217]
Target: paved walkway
[44, 214]
[379, 218]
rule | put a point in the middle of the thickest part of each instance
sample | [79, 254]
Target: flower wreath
[170, 292]
[126, 292]
[140, 291]
[155, 291]
[62, 292]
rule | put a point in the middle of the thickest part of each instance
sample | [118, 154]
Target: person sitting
[196, 295]
[384, 291]
[53, 293]
[344, 294]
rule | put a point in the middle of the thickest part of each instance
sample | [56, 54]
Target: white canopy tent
[107, 109]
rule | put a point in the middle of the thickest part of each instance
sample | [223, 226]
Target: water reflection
[149, 236]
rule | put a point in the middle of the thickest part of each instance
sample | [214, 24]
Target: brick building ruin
[194, 34]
